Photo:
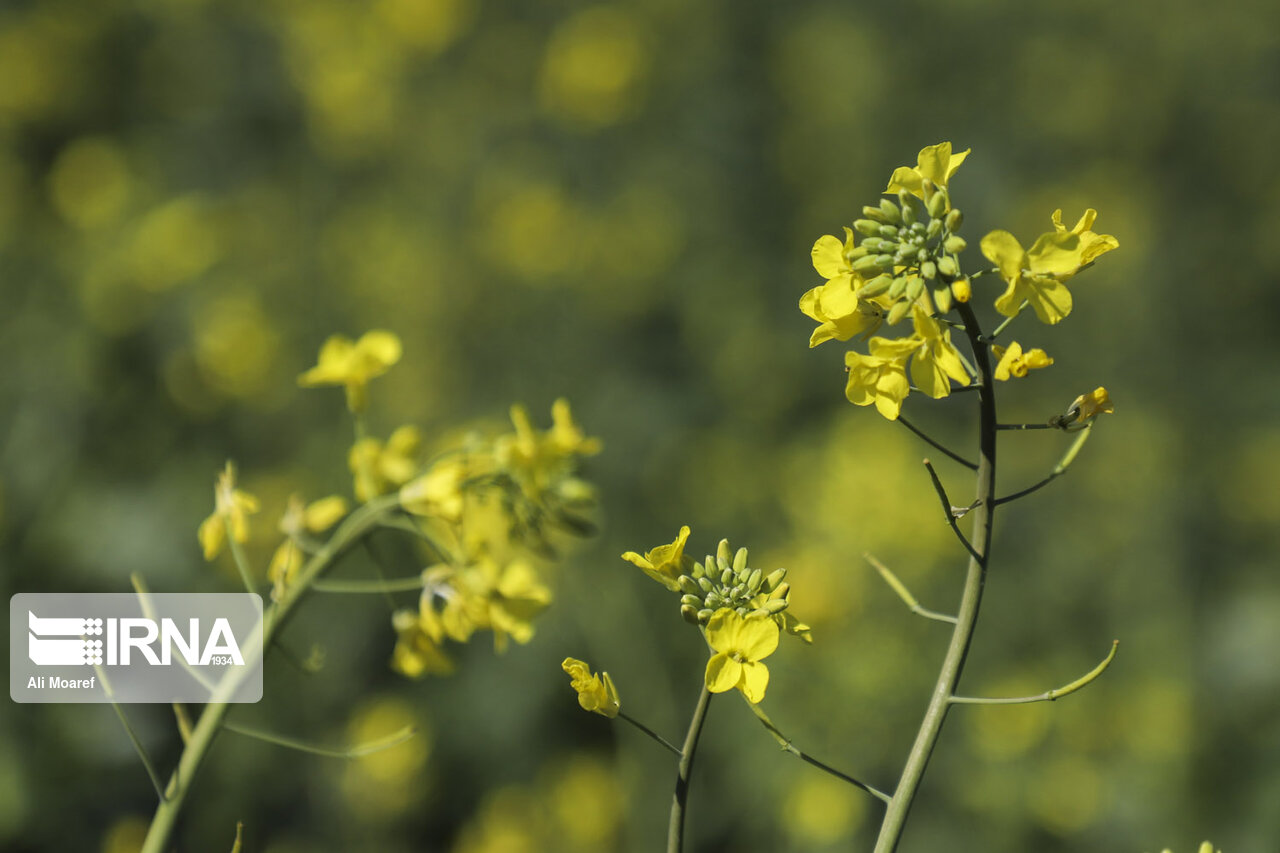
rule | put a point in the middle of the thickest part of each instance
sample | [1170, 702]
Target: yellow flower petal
[723, 673]
[754, 680]
[325, 513]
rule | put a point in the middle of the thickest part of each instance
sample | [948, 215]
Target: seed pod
[740, 560]
[954, 244]
[953, 220]
[869, 227]
[929, 270]
[947, 266]
[890, 211]
[689, 614]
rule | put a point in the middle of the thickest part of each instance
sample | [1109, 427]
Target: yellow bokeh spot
[90, 183]
[235, 345]
[821, 810]
[1001, 732]
[536, 229]
[173, 243]
[428, 25]
[125, 835]
[594, 68]
[1067, 796]
[1159, 718]
[385, 782]
[509, 822]
[586, 799]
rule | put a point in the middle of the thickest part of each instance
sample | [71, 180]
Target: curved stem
[975, 577]
[675, 826]
[211, 719]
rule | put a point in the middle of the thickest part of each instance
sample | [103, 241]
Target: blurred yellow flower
[740, 642]
[298, 520]
[596, 693]
[416, 654]
[665, 563]
[438, 492]
[353, 364]
[232, 508]
[935, 162]
[881, 377]
[1016, 363]
[381, 466]
[595, 67]
[566, 437]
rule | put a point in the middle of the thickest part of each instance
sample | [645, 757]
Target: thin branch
[371, 587]
[1048, 695]
[133, 736]
[1026, 426]
[905, 594]
[995, 334]
[650, 732]
[377, 745]
[785, 743]
[952, 512]
[936, 446]
[679, 801]
[1058, 470]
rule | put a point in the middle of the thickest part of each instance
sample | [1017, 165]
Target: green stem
[211, 719]
[622, 715]
[966, 618]
[675, 826]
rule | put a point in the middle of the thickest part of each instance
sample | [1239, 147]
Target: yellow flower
[566, 437]
[666, 563]
[416, 654]
[232, 509]
[353, 364]
[438, 492]
[936, 162]
[504, 598]
[1014, 362]
[596, 693]
[937, 361]
[517, 596]
[840, 313]
[1084, 409]
[297, 521]
[1037, 274]
[740, 642]
[880, 377]
[379, 467]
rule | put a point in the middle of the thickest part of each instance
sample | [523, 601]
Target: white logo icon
[63, 641]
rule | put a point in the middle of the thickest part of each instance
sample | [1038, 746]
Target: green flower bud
[954, 244]
[771, 582]
[697, 571]
[876, 286]
[908, 206]
[884, 262]
[723, 554]
[759, 611]
[875, 213]
[736, 593]
[953, 220]
[754, 580]
[929, 270]
[898, 311]
[890, 211]
[928, 188]
[691, 601]
[782, 590]
[689, 614]
[938, 203]
[874, 244]
[740, 560]
[715, 600]
[726, 577]
[871, 263]
[919, 229]
[947, 266]
[868, 227]
[704, 616]
[898, 287]
[688, 585]
[888, 232]
[934, 229]
[775, 605]
[705, 585]
[942, 298]
[922, 256]
[915, 287]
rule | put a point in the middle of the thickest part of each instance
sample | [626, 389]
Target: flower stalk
[679, 801]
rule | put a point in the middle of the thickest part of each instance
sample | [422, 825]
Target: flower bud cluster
[908, 247]
[725, 581]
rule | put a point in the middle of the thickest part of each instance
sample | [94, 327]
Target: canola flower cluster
[902, 260]
[486, 511]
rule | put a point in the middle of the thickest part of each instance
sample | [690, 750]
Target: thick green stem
[953, 664]
[360, 522]
[675, 827]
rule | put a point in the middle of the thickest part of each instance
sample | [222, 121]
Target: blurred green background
[615, 203]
